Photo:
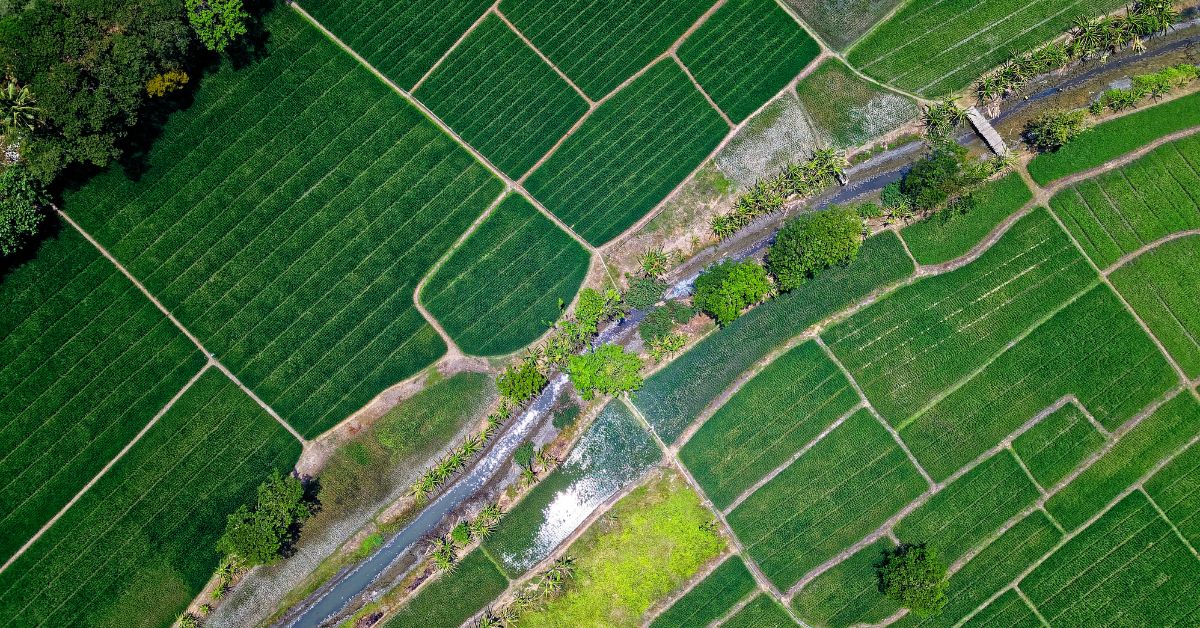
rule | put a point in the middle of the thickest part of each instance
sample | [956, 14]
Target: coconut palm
[17, 106]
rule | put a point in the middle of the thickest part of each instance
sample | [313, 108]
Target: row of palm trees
[550, 583]
[456, 460]
[796, 180]
[446, 548]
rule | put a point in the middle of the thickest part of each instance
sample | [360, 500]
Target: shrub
[914, 577]
[727, 288]
[21, 201]
[654, 262]
[932, 180]
[168, 81]
[644, 292]
[1053, 129]
[593, 308]
[869, 210]
[259, 536]
[814, 242]
[607, 370]
[520, 382]
[523, 455]
[217, 22]
[461, 534]
[661, 321]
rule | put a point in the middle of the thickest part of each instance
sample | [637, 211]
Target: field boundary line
[737, 608]
[663, 604]
[887, 17]
[495, 10]
[461, 38]
[111, 463]
[1056, 185]
[1028, 602]
[1029, 474]
[1174, 528]
[212, 357]
[700, 88]
[1146, 248]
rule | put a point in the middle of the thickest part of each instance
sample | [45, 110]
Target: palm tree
[17, 106]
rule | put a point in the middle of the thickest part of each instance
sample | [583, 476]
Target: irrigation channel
[330, 602]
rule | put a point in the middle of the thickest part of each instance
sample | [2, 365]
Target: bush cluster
[729, 287]
[261, 535]
[814, 242]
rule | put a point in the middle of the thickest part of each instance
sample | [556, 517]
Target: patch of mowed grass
[947, 235]
[1163, 286]
[1129, 568]
[1092, 349]
[1119, 212]
[848, 593]
[712, 598]
[769, 419]
[85, 362]
[454, 597]
[287, 226]
[673, 397]
[1006, 611]
[1152, 440]
[1176, 489]
[842, 488]
[851, 110]
[1116, 137]
[745, 53]
[628, 154]
[1057, 444]
[938, 47]
[762, 612]
[993, 569]
[650, 543]
[970, 509]
[403, 40]
[614, 451]
[841, 22]
[140, 544]
[499, 95]
[600, 44]
[916, 342]
[501, 289]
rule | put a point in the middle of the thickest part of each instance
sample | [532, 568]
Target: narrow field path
[1146, 248]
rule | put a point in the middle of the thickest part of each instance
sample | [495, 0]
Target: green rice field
[1006, 611]
[1163, 287]
[628, 154]
[454, 597]
[500, 290]
[849, 110]
[1176, 489]
[841, 22]
[496, 93]
[761, 612]
[745, 53]
[147, 529]
[1057, 444]
[848, 593]
[946, 236]
[711, 599]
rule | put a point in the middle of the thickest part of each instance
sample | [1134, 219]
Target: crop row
[908, 347]
[1057, 444]
[841, 23]
[1176, 489]
[1164, 289]
[948, 235]
[455, 596]
[677, 394]
[712, 598]
[763, 611]
[85, 362]
[785, 406]
[501, 288]
[147, 529]
[1006, 611]
[847, 594]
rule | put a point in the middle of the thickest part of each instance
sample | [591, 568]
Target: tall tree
[217, 22]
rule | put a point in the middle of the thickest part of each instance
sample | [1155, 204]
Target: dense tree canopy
[915, 578]
[814, 242]
[607, 370]
[21, 207]
[729, 287]
[259, 536]
[217, 22]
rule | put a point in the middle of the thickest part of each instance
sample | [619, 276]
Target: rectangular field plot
[600, 44]
[1119, 212]
[628, 154]
[676, 395]
[841, 22]
[141, 543]
[1092, 349]
[745, 53]
[1163, 286]
[1057, 444]
[770, 419]
[501, 288]
[849, 109]
[936, 47]
[1176, 489]
[993, 569]
[711, 599]
[287, 225]
[837, 492]
[497, 94]
[1155, 438]
[403, 40]
[971, 508]
[921, 339]
[454, 597]
[847, 594]
[1127, 569]
[86, 360]
[946, 235]
[762, 612]
[1006, 611]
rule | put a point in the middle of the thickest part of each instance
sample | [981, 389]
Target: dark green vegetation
[1152, 440]
[260, 535]
[745, 53]
[1116, 137]
[921, 339]
[500, 289]
[290, 240]
[147, 529]
[609, 370]
[762, 612]
[947, 235]
[676, 395]
[629, 153]
[1053, 129]
[1118, 212]
[770, 418]
[848, 593]
[1176, 489]
[1057, 444]
[813, 242]
[401, 39]
[914, 576]
[23, 203]
[711, 599]
[497, 94]
[85, 362]
[454, 597]
[1125, 568]
[842, 488]
[600, 44]
[849, 109]
[727, 288]
[935, 47]
[1163, 286]
[841, 22]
